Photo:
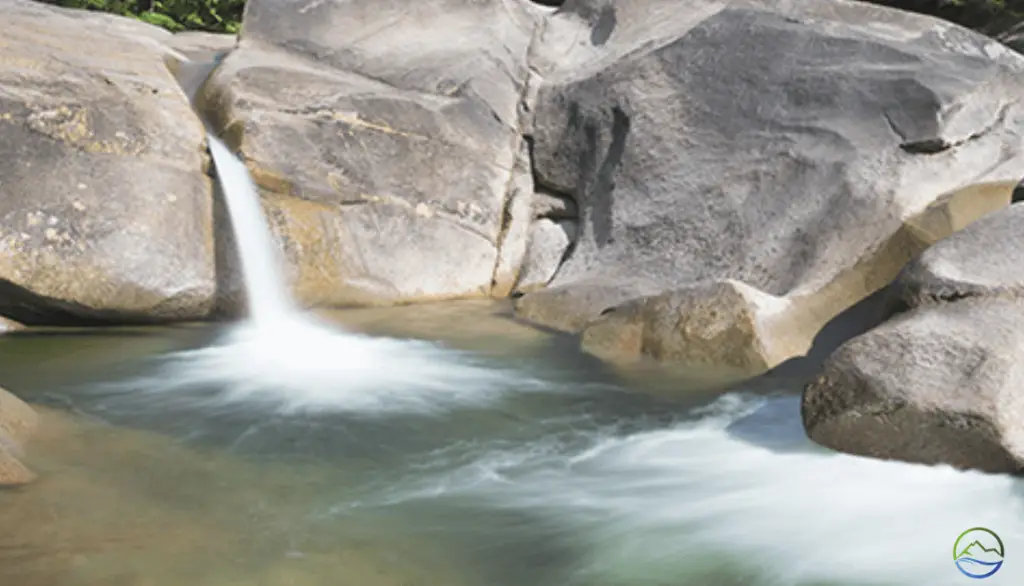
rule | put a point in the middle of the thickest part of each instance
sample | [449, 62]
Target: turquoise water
[507, 458]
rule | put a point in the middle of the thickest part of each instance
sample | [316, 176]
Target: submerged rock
[105, 212]
[391, 156]
[745, 172]
[17, 423]
[944, 381]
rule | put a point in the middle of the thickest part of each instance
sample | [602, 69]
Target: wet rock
[17, 423]
[105, 213]
[941, 384]
[747, 172]
[392, 161]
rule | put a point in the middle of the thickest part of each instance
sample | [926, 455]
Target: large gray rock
[944, 381]
[105, 212]
[747, 170]
[386, 137]
[982, 260]
[942, 384]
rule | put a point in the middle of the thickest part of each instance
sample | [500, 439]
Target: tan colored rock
[17, 423]
[105, 212]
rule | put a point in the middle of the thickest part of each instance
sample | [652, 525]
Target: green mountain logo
[976, 548]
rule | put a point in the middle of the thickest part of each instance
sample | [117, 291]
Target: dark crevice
[1018, 193]
[935, 145]
[573, 210]
[951, 297]
[550, 3]
[930, 146]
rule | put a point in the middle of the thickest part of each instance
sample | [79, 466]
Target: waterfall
[265, 288]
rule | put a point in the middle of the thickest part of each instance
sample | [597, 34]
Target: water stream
[443, 445]
[265, 289]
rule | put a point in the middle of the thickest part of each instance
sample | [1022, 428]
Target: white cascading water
[269, 302]
[288, 359]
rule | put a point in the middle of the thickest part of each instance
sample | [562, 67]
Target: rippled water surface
[447, 446]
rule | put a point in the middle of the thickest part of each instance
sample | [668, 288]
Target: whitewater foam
[707, 496]
[302, 366]
[289, 360]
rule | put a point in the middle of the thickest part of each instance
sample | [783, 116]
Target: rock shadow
[777, 425]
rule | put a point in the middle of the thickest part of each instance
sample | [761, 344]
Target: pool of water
[486, 453]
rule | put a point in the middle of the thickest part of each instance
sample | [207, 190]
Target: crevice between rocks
[570, 208]
[523, 111]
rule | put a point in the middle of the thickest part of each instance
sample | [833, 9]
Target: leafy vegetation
[219, 16]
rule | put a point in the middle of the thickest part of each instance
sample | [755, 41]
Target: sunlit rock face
[704, 183]
[105, 211]
[747, 170]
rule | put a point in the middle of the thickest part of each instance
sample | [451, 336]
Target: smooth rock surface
[105, 212]
[982, 260]
[942, 384]
[386, 137]
[17, 424]
[547, 244]
[783, 149]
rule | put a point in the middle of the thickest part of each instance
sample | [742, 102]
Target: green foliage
[219, 16]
